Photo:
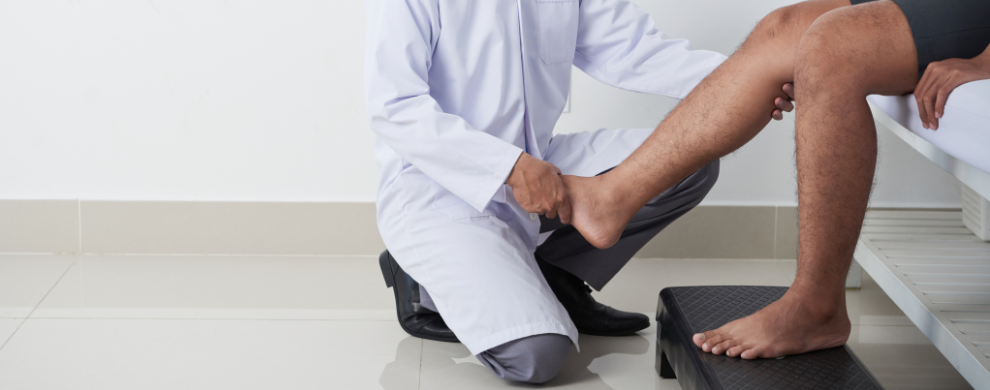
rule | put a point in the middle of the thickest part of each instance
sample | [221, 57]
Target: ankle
[616, 192]
[818, 305]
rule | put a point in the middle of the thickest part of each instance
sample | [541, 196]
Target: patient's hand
[940, 78]
[783, 105]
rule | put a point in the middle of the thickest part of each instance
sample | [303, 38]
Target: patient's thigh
[864, 49]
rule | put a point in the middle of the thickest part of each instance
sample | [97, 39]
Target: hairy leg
[846, 55]
[720, 115]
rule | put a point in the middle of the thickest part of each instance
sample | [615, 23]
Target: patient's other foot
[787, 327]
[596, 210]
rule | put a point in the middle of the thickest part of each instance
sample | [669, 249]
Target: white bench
[933, 267]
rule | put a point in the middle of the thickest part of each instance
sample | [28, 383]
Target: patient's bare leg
[723, 112]
[847, 54]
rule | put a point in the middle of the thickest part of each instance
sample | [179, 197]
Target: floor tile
[604, 363]
[789, 268]
[637, 287]
[122, 322]
[209, 354]
[7, 328]
[25, 279]
[869, 305]
[206, 287]
[902, 358]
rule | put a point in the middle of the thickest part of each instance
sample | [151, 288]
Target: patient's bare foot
[596, 210]
[786, 327]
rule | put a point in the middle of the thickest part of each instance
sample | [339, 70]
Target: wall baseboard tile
[329, 228]
[230, 228]
[47, 226]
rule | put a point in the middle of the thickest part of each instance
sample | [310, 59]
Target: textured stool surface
[704, 308]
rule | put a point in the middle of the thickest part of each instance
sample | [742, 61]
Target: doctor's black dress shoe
[589, 316]
[413, 317]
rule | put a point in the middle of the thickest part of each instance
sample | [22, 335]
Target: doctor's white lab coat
[456, 90]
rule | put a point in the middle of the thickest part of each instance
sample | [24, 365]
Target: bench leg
[666, 371]
[855, 277]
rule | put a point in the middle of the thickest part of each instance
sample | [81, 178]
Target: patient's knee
[780, 28]
[533, 359]
[825, 53]
[780, 21]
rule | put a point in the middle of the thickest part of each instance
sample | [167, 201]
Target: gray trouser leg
[533, 359]
[567, 249]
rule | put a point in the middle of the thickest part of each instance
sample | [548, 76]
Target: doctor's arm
[618, 44]
[467, 162]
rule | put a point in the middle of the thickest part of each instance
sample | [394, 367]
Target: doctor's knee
[707, 176]
[533, 359]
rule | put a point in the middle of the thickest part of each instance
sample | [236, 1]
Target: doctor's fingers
[557, 199]
[565, 212]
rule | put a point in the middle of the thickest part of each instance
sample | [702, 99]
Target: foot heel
[384, 263]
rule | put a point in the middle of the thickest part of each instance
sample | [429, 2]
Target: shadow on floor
[446, 365]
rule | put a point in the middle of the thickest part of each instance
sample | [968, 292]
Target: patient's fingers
[789, 90]
[777, 115]
[784, 104]
[929, 100]
[919, 93]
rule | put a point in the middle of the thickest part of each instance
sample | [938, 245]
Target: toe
[748, 354]
[699, 339]
[734, 351]
[724, 347]
[711, 339]
[758, 352]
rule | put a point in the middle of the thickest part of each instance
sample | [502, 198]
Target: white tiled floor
[209, 322]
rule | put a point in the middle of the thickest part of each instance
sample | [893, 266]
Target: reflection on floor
[246, 322]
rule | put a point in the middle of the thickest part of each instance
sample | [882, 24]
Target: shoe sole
[389, 275]
[628, 332]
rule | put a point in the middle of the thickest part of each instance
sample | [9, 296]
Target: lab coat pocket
[558, 30]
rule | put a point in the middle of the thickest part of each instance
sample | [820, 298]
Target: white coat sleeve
[618, 44]
[469, 163]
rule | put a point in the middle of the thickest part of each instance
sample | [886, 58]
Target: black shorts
[944, 29]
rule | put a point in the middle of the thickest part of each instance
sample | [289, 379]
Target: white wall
[262, 100]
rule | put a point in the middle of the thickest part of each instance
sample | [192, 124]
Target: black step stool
[684, 311]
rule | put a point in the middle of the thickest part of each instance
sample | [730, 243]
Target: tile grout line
[79, 223]
[38, 304]
[419, 378]
[776, 221]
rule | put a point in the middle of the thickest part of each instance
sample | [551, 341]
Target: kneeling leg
[533, 359]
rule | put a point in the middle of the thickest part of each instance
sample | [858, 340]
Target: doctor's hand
[940, 78]
[539, 189]
[783, 105]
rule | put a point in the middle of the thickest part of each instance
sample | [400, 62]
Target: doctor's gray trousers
[537, 359]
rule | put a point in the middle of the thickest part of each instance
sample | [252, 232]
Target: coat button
[534, 216]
